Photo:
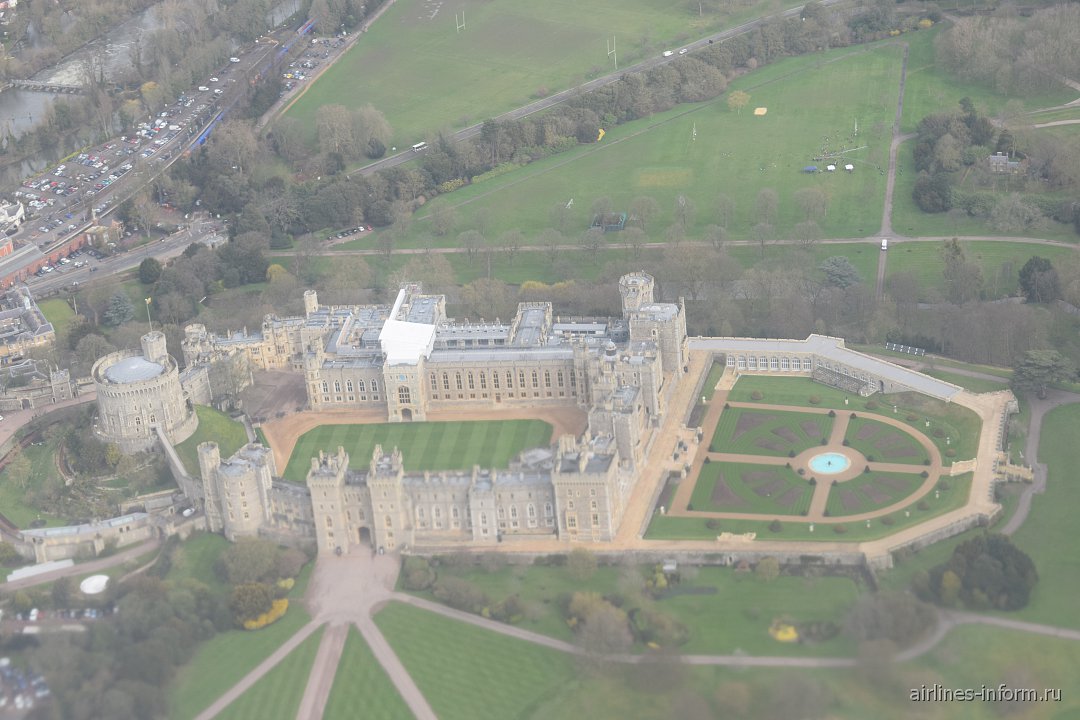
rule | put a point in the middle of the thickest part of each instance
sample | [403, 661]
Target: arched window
[535, 379]
[403, 395]
[457, 380]
[548, 509]
[349, 385]
[388, 521]
[521, 379]
[495, 379]
[509, 380]
[454, 513]
[559, 378]
[547, 378]
[360, 386]
[530, 510]
[325, 386]
[483, 380]
[513, 512]
[374, 386]
[483, 518]
[472, 384]
[446, 381]
[434, 382]
[337, 386]
[573, 379]
[420, 515]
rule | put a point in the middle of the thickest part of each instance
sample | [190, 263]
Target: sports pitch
[699, 151]
[423, 74]
[424, 445]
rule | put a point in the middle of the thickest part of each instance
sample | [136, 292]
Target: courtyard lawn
[424, 445]
[220, 662]
[214, 425]
[871, 491]
[741, 487]
[1050, 528]
[277, 694]
[195, 558]
[16, 503]
[59, 313]
[811, 98]
[947, 420]
[362, 683]
[474, 674]
[424, 75]
[768, 432]
[668, 527]
[1000, 262]
[884, 443]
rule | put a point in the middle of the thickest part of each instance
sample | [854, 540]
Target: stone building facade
[138, 392]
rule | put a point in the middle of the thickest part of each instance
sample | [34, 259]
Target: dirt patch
[866, 432]
[875, 494]
[810, 428]
[723, 495]
[849, 500]
[770, 488]
[789, 498]
[786, 433]
[274, 394]
[766, 444]
[747, 422]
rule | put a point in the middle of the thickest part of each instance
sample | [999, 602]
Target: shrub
[923, 505]
[853, 416]
[911, 417]
[832, 413]
[824, 441]
[459, 594]
[926, 461]
[451, 185]
[419, 575]
[846, 443]
[706, 461]
[950, 453]
[815, 399]
[839, 529]
[925, 474]
[727, 406]
[275, 613]
[943, 485]
[776, 526]
[870, 458]
[250, 600]
[865, 470]
[756, 395]
[888, 520]
[938, 433]
[801, 471]
[871, 405]
[787, 465]
[791, 453]
[712, 524]
[813, 481]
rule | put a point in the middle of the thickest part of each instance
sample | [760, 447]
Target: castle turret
[326, 481]
[311, 302]
[391, 526]
[636, 289]
[153, 347]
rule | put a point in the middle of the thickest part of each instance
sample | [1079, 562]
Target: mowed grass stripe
[425, 446]
[277, 694]
[360, 682]
[475, 674]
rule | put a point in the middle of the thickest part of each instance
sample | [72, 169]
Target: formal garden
[779, 433]
[747, 488]
[872, 491]
[884, 443]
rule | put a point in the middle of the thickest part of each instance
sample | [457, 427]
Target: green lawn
[667, 527]
[16, 502]
[229, 434]
[1000, 262]
[976, 385]
[1051, 526]
[947, 419]
[277, 694]
[224, 659]
[809, 98]
[423, 75]
[424, 445]
[765, 432]
[59, 313]
[870, 491]
[884, 443]
[194, 559]
[471, 674]
[361, 682]
[765, 489]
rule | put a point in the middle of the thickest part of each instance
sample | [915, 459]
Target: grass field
[423, 75]
[194, 559]
[810, 98]
[870, 491]
[884, 443]
[667, 527]
[424, 446]
[214, 425]
[224, 659]
[1000, 261]
[764, 432]
[361, 682]
[15, 501]
[742, 487]
[955, 422]
[977, 385]
[59, 313]
[277, 694]
[1049, 527]
[475, 674]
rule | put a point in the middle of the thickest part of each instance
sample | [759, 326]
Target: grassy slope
[195, 559]
[425, 446]
[361, 682]
[277, 695]
[213, 425]
[977, 385]
[14, 501]
[57, 312]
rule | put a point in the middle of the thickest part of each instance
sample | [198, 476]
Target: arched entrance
[363, 536]
[25, 404]
[406, 415]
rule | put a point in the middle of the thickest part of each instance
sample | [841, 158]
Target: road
[83, 568]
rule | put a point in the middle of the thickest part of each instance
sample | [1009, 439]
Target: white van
[884, 243]
[669, 53]
[419, 146]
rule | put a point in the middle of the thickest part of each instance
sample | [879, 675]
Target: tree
[443, 219]
[149, 271]
[725, 210]
[839, 272]
[581, 564]
[766, 206]
[250, 600]
[737, 100]
[768, 569]
[1040, 368]
[992, 573]
[642, 210]
[895, 616]
[119, 310]
[249, 560]
[1039, 281]
[963, 279]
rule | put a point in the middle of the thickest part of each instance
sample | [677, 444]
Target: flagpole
[148, 320]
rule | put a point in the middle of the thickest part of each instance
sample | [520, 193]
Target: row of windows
[351, 398]
[349, 386]
[471, 380]
[763, 362]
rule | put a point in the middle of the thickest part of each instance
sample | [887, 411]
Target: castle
[408, 358]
